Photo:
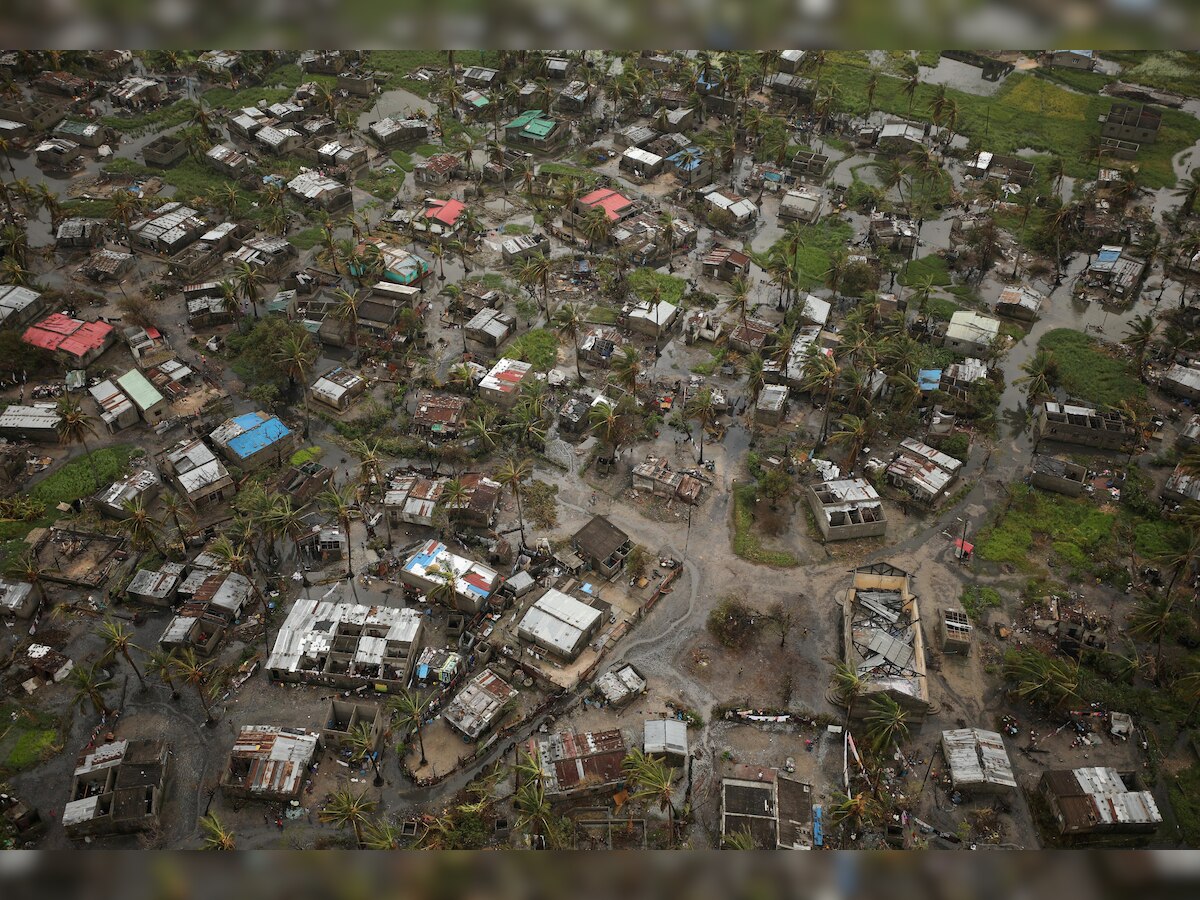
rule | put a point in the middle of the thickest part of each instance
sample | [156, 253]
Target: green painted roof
[524, 118]
[140, 390]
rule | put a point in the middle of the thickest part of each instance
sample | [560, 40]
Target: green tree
[216, 835]
[89, 684]
[347, 808]
[701, 410]
[118, 641]
[409, 712]
[75, 426]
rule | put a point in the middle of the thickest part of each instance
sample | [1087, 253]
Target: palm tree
[856, 808]
[483, 428]
[1040, 371]
[194, 671]
[74, 427]
[345, 808]
[1188, 188]
[90, 683]
[510, 475]
[740, 299]
[849, 685]
[1139, 337]
[118, 639]
[1151, 619]
[628, 368]
[341, 504]
[534, 812]
[141, 526]
[822, 373]
[216, 835]
[887, 723]
[654, 781]
[346, 310]
[535, 270]
[701, 410]
[362, 742]
[409, 712]
[296, 356]
[569, 319]
[161, 664]
[380, 834]
[609, 423]
[910, 89]
[1189, 686]
[1052, 683]
[29, 569]
[854, 432]
[250, 281]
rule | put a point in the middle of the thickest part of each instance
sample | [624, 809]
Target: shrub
[731, 623]
[976, 598]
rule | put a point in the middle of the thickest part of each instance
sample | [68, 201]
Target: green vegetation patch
[399, 63]
[307, 238]
[27, 736]
[76, 480]
[746, 543]
[818, 244]
[160, 119]
[1168, 70]
[644, 283]
[307, 454]
[976, 599]
[1087, 371]
[1076, 528]
[538, 347]
[1185, 803]
[587, 176]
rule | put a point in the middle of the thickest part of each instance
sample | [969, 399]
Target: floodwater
[397, 102]
[961, 77]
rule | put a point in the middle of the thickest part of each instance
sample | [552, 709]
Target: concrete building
[615, 205]
[168, 229]
[924, 472]
[338, 388]
[847, 509]
[138, 92]
[725, 264]
[1020, 302]
[665, 739]
[228, 159]
[724, 203]
[1181, 381]
[620, 685]
[215, 601]
[18, 599]
[150, 404]
[882, 639]
[77, 232]
[977, 761]
[559, 624]
[490, 327]
[254, 439]
[198, 475]
[641, 163]
[794, 88]
[165, 151]
[809, 164]
[1083, 425]
[269, 763]
[523, 246]
[116, 409]
[1181, 487]
[107, 265]
[157, 587]
[1115, 273]
[75, 342]
[502, 384]
[970, 333]
[85, 134]
[36, 422]
[654, 475]
[18, 305]
[648, 317]
[344, 718]
[439, 220]
[438, 416]
[1060, 476]
[479, 705]
[392, 132]
[58, 154]
[1081, 60]
[347, 645]
[771, 406]
[576, 764]
[803, 203]
[1096, 801]
[535, 131]
[1131, 122]
[141, 486]
[433, 564]
[774, 810]
[602, 546]
[319, 190]
[117, 788]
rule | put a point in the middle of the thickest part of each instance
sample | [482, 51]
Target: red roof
[73, 336]
[445, 211]
[153, 333]
[607, 199]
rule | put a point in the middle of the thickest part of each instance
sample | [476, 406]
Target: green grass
[403, 159]
[399, 63]
[644, 281]
[1076, 529]
[278, 85]
[1167, 70]
[191, 179]
[1086, 82]
[538, 347]
[156, 119]
[71, 482]
[306, 454]
[1027, 111]
[1185, 803]
[601, 315]
[515, 228]
[746, 544]
[587, 176]
[818, 244]
[27, 736]
[916, 271]
[1087, 372]
[307, 238]
[427, 150]
[976, 599]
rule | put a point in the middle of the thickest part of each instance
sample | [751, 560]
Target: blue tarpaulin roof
[258, 434]
[929, 379]
[1108, 254]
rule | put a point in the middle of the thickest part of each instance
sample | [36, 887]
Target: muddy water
[961, 77]
[397, 102]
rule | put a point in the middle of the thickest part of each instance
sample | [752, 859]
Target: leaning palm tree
[1151, 619]
[250, 281]
[90, 683]
[510, 475]
[534, 812]
[853, 431]
[140, 525]
[654, 781]
[345, 808]
[1049, 682]
[75, 426]
[628, 369]
[194, 671]
[887, 722]
[346, 310]
[849, 685]
[409, 711]
[1040, 371]
[380, 834]
[28, 568]
[118, 640]
[216, 835]
[161, 664]
[740, 300]
[739, 840]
